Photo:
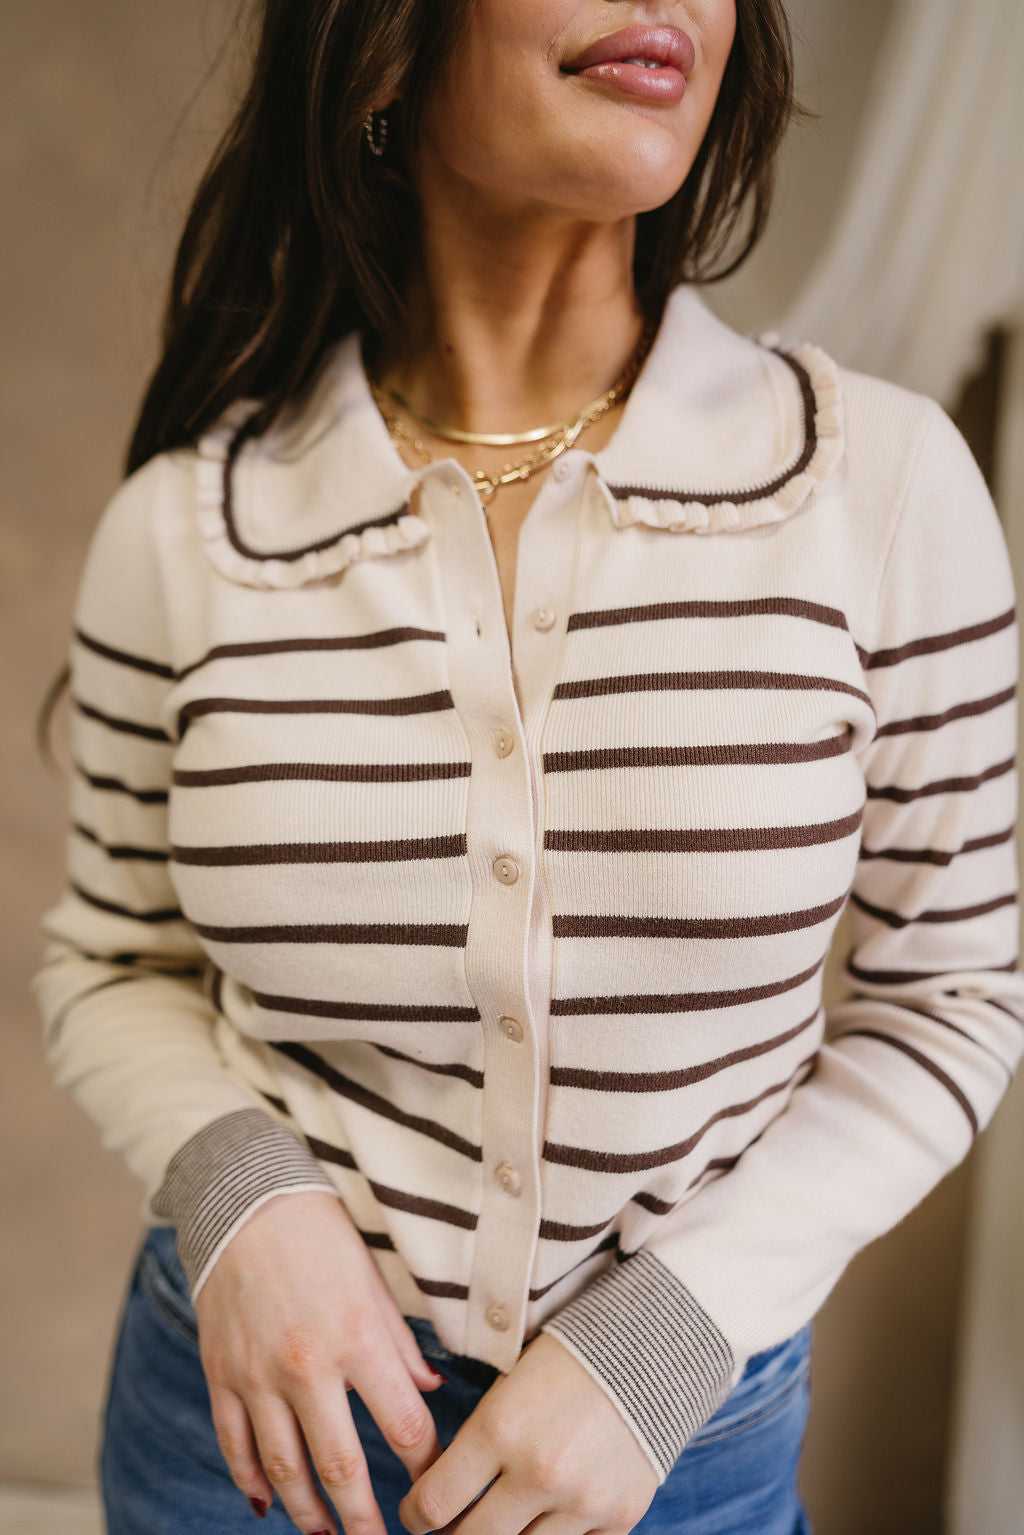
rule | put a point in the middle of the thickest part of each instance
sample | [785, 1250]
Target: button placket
[499, 806]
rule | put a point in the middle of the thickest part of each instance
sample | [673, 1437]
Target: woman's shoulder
[891, 430]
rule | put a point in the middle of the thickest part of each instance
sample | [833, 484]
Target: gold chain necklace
[554, 440]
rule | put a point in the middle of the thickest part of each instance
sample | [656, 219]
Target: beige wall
[91, 92]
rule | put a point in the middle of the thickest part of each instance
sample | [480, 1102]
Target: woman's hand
[562, 1455]
[293, 1313]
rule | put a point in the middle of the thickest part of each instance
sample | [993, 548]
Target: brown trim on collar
[238, 441]
[758, 492]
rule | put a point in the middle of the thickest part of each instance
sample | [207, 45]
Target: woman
[460, 825]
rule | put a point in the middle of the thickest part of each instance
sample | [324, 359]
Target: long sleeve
[916, 1059]
[129, 1027]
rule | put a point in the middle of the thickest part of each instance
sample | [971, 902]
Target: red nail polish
[259, 1508]
[440, 1375]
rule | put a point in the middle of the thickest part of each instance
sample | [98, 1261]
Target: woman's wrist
[222, 1174]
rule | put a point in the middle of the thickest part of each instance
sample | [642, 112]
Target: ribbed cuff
[658, 1355]
[221, 1174]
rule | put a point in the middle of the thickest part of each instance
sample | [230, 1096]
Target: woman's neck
[515, 322]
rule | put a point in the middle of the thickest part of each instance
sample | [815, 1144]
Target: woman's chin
[613, 196]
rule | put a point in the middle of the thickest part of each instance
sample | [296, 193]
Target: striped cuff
[221, 1174]
[658, 1355]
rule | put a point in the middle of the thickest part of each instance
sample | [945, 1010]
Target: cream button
[561, 470]
[543, 618]
[506, 870]
[511, 1028]
[504, 742]
[497, 1317]
[508, 1178]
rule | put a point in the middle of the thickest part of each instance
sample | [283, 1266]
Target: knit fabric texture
[515, 943]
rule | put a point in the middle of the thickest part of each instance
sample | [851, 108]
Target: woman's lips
[660, 84]
[615, 60]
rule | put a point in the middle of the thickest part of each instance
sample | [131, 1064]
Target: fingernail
[438, 1374]
[259, 1508]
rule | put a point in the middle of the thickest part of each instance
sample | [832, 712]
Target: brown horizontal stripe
[418, 703]
[456, 1069]
[694, 927]
[117, 786]
[922, 1060]
[744, 754]
[783, 607]
[381, 637]
[443, 1288]
[395, 1199]
[429, 1209]
[381, 1242]
[957, 712]
[719, 1164]
[335, 1155]
[376, 1012]
[938, 855]
[934, 642]
[647, 682]
[148, 964]
[958, 914]
[121, 850]
[899, 977]
[745, 494]
[991, 1002]
[139, 663]
[113, 722]
[558, 1231]
[930, 1016]
[703, 839]
[441, 935]
[669, 1081]
[589, 1160]
[355, 1092]
[324, 772]
[941, 785]
[652, 1203]
[399, 850]
[279, 1103]
[163, 914]
[606, 1243]
[681, 1002]
[378, 1240]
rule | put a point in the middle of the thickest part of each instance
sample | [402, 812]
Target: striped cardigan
[518, 948]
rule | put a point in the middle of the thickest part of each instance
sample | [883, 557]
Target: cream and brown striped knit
[519, 950]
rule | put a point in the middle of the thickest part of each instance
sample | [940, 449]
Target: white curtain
[986, 1483]
[925, 257]
[928, 251]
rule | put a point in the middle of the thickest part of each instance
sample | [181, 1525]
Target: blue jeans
[162, 1472]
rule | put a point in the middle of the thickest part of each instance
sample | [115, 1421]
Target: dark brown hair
[298, 234]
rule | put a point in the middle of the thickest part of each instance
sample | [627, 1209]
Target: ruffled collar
[720, 433]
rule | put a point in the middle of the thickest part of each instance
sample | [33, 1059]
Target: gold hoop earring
[377, 145]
